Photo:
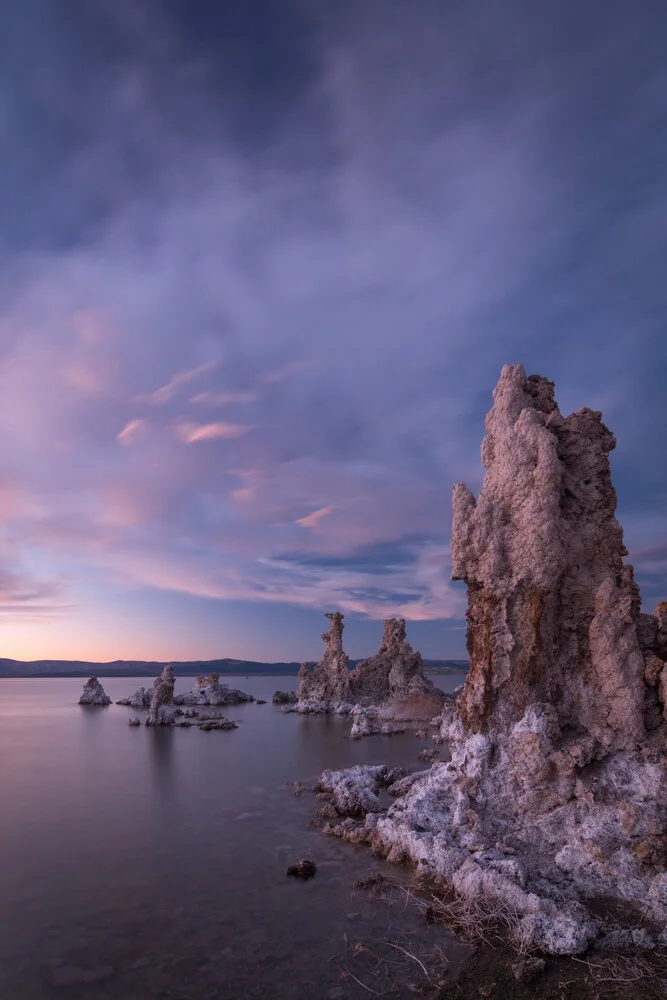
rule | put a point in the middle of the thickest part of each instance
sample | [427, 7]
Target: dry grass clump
[498, 968]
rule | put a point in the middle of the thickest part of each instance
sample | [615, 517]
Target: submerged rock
[219, 723]
[140, 699]
[556, 792]
[302, 869]
[161, 711]
[208, 690]
[94, 693]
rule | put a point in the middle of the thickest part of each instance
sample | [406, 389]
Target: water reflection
[161, 742]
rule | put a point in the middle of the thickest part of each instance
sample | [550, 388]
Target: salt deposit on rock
[556, 792]
[208, 690]
[354, 791]
[161, 711]
[140, 699]
[94, 693]
[133, 721]
[394, 678]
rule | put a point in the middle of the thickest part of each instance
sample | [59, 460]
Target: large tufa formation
[329, 681]
[552, 610]
[94, 694]
[556, 792]
[394, 675]
[161, 712]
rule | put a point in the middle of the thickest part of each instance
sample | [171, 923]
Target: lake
[152, 861]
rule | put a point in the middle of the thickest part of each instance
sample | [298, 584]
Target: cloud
[224, 398]
[364, 242]
[166, 392]
[131, 431]
[312, 520]
[189, 433]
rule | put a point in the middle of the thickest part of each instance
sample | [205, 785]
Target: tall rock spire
[552, 610]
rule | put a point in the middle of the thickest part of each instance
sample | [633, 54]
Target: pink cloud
[166, 392]
[313, 519]
[132, 430]
[189, 433]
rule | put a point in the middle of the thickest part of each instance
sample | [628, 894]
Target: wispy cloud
[131, 431]
[158, 397]
[189, 433]
[313, 519]
[224, 398]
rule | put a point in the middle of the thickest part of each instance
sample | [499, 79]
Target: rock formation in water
[328, 683]
[161, 711]
[285, 697]
[140, 699]
[94, 693]
[207, 690]
[556, 793]
[394, 676]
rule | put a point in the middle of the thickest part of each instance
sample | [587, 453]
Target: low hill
[151, 668]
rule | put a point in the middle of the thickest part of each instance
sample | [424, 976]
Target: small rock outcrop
[556, 791]
[303, 868]
[161, 711]
[393, 677]
[94, 694]
[285, 697]
[208, 690]
[140, 699]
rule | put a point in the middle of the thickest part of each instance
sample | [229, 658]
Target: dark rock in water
[133, 721]
[161, 712]
[302, 869]
[94, 693]
[285, 698]
[218, 724]
[208, 690]
[260, 701]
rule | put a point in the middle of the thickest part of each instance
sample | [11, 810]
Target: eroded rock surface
[556, 791]
[93, 693]
[161, 711]
[208, 690]
[140, 699]
[393, 678]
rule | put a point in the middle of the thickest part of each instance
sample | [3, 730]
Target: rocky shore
[553, 807]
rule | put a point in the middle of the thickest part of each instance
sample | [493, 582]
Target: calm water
[161, 853]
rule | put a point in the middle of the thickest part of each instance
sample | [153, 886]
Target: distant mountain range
[151, 668]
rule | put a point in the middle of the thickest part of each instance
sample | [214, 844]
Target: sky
[260, 267]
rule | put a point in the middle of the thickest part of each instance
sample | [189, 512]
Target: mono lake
[153, 860]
